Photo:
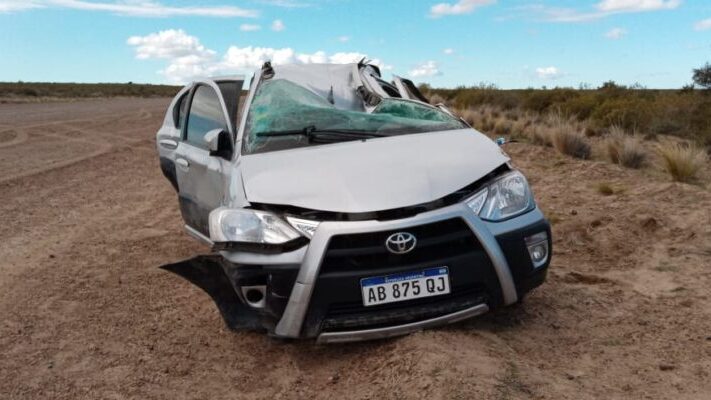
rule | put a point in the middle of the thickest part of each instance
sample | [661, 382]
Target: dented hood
[372, 175]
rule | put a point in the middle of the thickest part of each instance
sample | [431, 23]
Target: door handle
[182, 162]
[168, 143]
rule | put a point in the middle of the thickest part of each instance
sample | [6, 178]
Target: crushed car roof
[336, 81]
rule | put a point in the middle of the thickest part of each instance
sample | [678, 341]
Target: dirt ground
[85, 312]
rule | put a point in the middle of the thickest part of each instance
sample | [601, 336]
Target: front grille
[355, 316]
[353, 252]
[337, 303]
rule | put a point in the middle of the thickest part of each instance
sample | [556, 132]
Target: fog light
[255, 295]
[538, 248]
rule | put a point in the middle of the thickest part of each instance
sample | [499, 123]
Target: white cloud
[448, 51]
[600, 10]
[168, 44]
[8, 6]
[286, 3]
[278, 25]
[344, 39]
[548, 73]
[703, 25]
[135, 8]
[189, 59]
[187, 56]
[636, 5]
[249, 27]
[615, 33]
[428, 68]
[460, 7]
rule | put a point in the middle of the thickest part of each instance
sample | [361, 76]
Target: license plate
[406, 286]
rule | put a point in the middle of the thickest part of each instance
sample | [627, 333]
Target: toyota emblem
[401, 242]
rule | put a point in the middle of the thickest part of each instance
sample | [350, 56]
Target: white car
[342, 207]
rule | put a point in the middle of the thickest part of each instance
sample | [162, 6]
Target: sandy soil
[85, 312]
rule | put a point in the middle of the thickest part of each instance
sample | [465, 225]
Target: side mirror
[219, 143]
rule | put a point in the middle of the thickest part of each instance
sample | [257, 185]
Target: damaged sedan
[340, 206]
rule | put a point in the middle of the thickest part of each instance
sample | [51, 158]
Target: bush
[547, 100]
[82, 90]
[682, 162]
[628, 113]
[684, 114]
[702, 76]
[580, 107]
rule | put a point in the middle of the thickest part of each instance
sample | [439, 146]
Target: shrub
[545, 100]
[682, 162]
[580, 107]
[629, 113]
[684, 114]
[702, 76]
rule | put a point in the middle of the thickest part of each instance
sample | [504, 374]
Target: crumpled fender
[206, 272]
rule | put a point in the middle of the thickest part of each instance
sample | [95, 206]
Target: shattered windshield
[285, 115]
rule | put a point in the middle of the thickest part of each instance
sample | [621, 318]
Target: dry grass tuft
[540, 136]
[436, 99]
[616, 131]
[605, 189]
[625, 150]
[682, 162]
[567, 139]
[468, 115]
[590, 131]
[502, 127]
[571, 143]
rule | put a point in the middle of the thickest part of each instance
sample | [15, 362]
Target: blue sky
[510, 43]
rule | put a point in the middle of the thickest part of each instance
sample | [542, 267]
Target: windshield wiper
[313, 133]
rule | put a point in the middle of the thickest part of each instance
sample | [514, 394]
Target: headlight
[505, 197]
[249, 226]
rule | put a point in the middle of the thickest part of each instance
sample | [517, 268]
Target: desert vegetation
[685, 112]
[38, 91]
[683, 162]
[634, 127]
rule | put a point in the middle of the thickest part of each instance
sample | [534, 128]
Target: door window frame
[225, 115]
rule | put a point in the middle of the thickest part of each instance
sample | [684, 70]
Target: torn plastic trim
[267, 70]
[207, 273]
[261, 248]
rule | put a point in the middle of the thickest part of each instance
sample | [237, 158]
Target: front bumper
[307, 297]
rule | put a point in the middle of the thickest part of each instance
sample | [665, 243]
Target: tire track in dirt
[15, 137]
[65, 130]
